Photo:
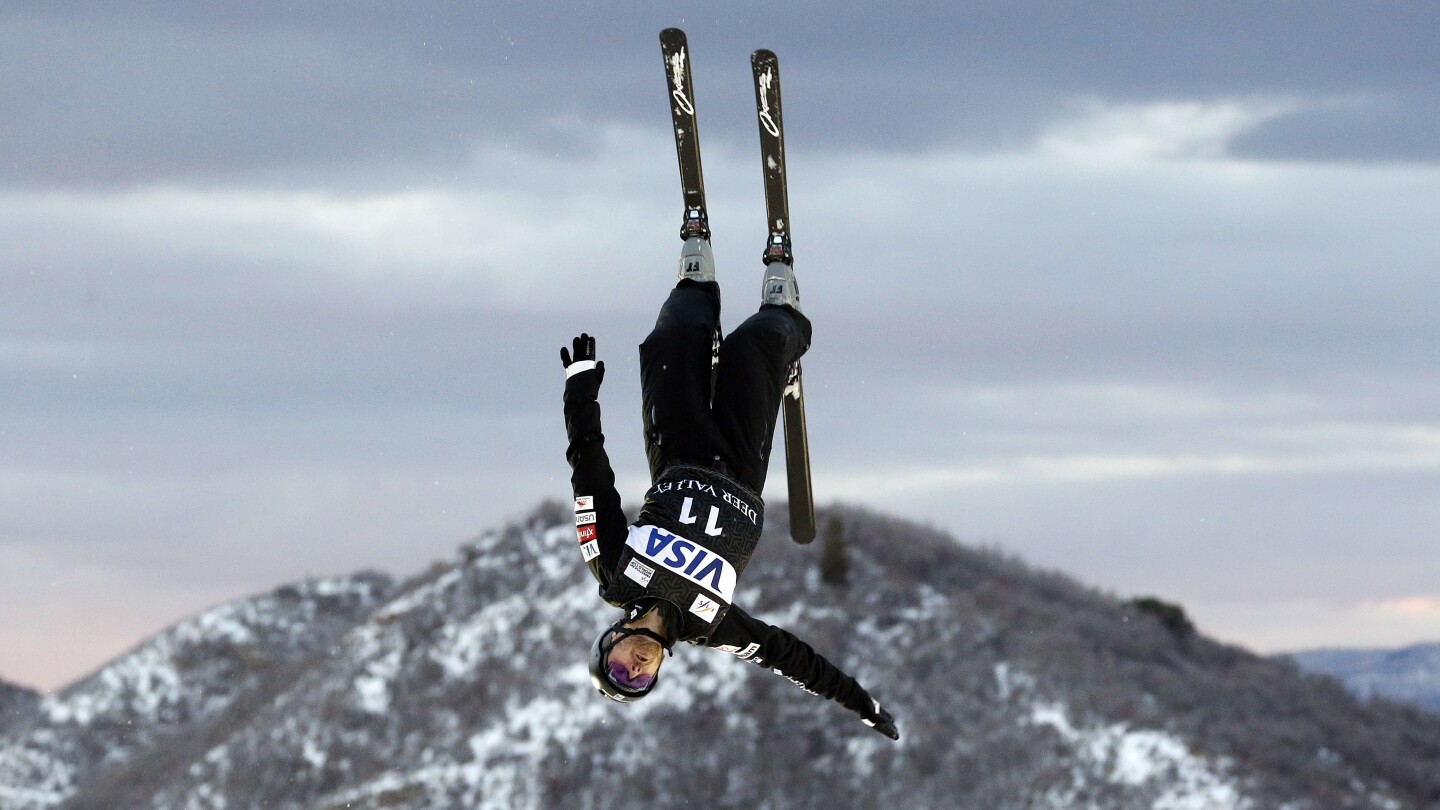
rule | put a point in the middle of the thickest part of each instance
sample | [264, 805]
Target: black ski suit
[708, 460]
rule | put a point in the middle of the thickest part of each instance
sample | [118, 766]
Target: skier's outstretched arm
[591, 478]
[783, 653]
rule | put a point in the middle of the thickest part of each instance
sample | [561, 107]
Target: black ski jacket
[603, 536]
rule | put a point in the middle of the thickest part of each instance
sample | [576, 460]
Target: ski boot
[779, 287]
[697, 263]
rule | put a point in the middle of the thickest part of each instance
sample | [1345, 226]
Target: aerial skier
[709, 411]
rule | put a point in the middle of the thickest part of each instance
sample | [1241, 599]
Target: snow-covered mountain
[1410, 674]
[466, 687]
[178, 690]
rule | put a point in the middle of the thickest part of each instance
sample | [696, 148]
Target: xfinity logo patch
[686, 558]
[744, 655]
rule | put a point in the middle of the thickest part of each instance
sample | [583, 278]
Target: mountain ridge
[1409, 674]
[465, 686]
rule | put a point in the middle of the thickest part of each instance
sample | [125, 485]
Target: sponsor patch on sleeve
[743, 655]
[584, 518]
[705, 607]
[585, 533]
[584, 503]
[590, 550]
[640, 572]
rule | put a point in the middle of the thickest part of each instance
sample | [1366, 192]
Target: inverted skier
[673, 571]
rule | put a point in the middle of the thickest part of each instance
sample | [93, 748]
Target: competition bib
[686, 558]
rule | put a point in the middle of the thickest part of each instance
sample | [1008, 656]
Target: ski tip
[672, 35]
[763, 55]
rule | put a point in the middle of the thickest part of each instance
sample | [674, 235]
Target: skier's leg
[755, 362]
[675, 376]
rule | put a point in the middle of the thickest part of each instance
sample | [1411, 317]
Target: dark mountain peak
[17, 704]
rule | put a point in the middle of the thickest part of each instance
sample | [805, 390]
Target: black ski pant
[732, 425]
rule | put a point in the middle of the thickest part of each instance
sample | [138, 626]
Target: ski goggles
[620, 676]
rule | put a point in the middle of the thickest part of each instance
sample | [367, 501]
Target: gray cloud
[127, 94]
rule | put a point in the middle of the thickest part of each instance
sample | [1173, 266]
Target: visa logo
[687, 558]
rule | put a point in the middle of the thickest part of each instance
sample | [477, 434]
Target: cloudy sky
[1143, 292]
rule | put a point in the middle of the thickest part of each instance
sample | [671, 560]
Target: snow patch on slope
[499, 766]
[420, 596]
[372, 687]
[461, 646]
[33, 777]
[1117, 755]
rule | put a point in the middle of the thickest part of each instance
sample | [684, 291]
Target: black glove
[583, 359]
[880, 720]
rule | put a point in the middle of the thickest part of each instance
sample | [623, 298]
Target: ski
[766, 69]
[695, 224]
[676, 51]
